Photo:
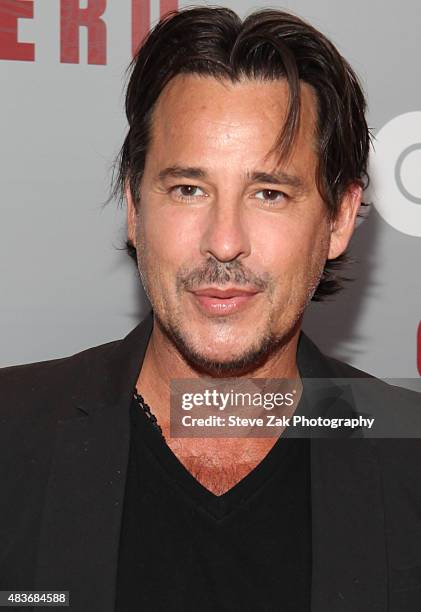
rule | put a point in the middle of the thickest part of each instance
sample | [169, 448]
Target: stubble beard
[250, 359]
[245, 363]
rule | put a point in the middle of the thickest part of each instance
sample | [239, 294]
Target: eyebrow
[182, 172]
[274, 178]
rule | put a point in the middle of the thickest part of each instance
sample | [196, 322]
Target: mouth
[218, 302]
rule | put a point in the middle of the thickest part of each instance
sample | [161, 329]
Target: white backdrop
[65, 282]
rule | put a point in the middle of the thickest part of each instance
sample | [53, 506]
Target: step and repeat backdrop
[66, 281]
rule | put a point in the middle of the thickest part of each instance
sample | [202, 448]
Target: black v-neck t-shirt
[184, 549]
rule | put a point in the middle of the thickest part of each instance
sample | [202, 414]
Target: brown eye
[271, 195]
[188, 191]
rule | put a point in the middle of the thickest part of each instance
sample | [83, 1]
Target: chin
[216, 357]
[223, 344]
[221, 364]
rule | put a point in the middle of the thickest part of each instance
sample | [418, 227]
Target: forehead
[199, 115]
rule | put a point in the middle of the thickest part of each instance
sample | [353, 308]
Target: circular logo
[395, 170]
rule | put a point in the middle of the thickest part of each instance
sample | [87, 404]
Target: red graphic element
[72, 17]
[10, 47]
[141, 18]
[419, 348]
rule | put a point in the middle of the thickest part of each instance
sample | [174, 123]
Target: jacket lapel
[349, 556]
[78, 547]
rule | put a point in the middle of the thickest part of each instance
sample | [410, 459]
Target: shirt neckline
[220, 507]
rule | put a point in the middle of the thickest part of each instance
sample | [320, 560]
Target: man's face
[217, 213]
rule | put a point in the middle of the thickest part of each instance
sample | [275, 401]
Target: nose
[226, 236]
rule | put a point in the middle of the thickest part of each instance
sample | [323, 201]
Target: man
[243, 170]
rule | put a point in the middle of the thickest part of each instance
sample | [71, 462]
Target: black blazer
[64, 452]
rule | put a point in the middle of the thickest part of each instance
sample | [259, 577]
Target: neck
[163, 363]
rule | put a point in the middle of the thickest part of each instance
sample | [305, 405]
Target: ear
[131, 216]
[342, 227]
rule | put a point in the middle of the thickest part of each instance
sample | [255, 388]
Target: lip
[219, 302]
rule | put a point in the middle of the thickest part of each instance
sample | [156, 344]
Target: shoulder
[396, 410]
[396, 450]
[92, 379]
[369, 392]
[370, 388]
[397, 440]
[44, 384]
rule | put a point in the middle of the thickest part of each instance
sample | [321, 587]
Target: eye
[271, 195]
[187, 191]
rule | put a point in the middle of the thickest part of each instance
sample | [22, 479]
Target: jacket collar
[122, 363]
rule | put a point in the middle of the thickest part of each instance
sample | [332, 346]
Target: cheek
[168, 237]
[280, 243]
[292, 249]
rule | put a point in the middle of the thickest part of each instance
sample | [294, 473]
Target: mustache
[214, 272]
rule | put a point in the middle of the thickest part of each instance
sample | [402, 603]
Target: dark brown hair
[268, 44]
